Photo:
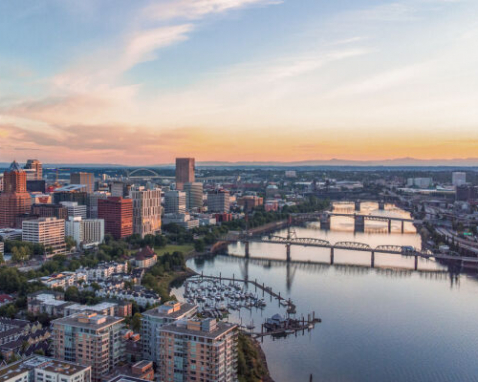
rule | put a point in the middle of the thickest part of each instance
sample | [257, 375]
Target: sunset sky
[142, 82]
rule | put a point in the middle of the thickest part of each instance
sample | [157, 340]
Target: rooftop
[220, 329]
[88, 320]
[166, 310]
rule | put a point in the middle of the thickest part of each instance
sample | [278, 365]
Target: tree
[20, 254]
[136, 322]
[70, 243]
[199, 245]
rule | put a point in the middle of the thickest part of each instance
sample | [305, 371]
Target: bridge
[359, 219]
[146, 173]
[292, 240]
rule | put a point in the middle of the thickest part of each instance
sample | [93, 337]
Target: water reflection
[384, 323]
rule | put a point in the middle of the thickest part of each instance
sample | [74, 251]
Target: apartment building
[87, 232]
[44, 369]
[153, 319]
[146, 211]
[89, 339]
[198, 350]
[47, 231]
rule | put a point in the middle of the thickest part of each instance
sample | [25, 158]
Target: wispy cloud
[196, 9]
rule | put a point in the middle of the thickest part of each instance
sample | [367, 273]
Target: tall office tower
[88, 232]
[89, 339]
[117, 189]
[184, 172]
[155, 318]
[200, 350]
[458, 178]
[85, 178]
[194, 195]
[118, 216]
[15, 200]
[74, 209]
[218, 201]
[47, 231]
[146, 211]
[93, 203]
[35, 164]
[175, 202]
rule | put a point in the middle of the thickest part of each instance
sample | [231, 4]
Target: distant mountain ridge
[397, 162]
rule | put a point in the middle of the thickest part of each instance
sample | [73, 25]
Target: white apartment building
[175, 202]
[47, 231]
[88, 232]
[146, 211]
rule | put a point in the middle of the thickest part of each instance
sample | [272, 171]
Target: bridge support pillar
[331, 255]
[372, 261]
[381, 205]
[389, 225]
[287, 246]
[403, 226]
[416, 262]
[359, 223]
[358, 206]
[325, 221]
[247, 250]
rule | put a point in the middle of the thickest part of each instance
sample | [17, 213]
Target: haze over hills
[397, 162]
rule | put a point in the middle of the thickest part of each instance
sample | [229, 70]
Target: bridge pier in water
[381, 205]
[416, 262]
[247, 250]
[325, 221]
[403, 226]
[358, 206]
[287, 246]
[359, 223]
[389, 225]
[331, 255]
[372, 260]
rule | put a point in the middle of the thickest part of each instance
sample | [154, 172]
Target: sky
[142, 82]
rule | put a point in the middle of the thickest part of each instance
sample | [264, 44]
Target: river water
[388, 323]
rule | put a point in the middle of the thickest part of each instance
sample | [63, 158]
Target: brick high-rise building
[85, 178]
[50, 211]
[184, 172]
[118, 216]
[15, 200]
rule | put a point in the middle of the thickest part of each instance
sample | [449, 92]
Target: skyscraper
[146, 211]
[184, 172]
[118, 216]
[36, 165]
[218, 201]
[85, 178]
[15, 200]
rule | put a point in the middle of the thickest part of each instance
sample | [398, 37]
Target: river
[388, 323]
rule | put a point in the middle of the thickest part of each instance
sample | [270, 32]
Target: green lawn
[185, 249]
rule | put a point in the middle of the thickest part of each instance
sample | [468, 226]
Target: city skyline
[237, 80]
